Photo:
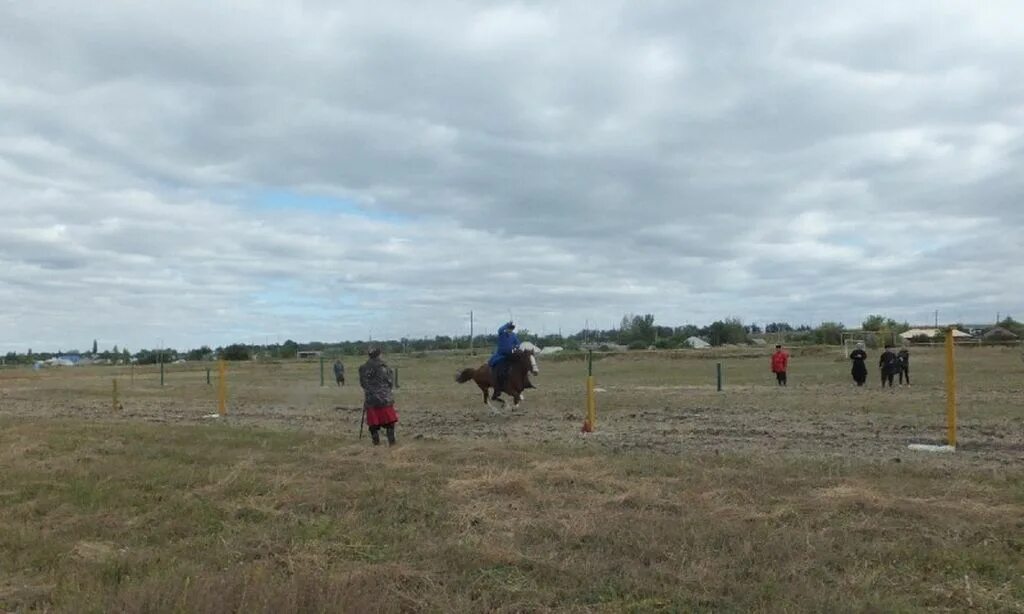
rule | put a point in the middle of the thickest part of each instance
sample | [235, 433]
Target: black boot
[375, 435]
[390, 430]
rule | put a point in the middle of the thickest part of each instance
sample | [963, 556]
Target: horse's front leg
[517, 398]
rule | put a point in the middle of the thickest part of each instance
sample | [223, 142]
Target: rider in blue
[508, 342]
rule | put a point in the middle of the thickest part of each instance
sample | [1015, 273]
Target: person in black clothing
[890, 366]
[860, 370]
[904, 356]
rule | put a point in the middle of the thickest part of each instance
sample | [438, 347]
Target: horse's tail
[464, 376]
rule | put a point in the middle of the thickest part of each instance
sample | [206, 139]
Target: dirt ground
[663, 401]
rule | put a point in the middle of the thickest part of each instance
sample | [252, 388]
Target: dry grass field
[750, 499]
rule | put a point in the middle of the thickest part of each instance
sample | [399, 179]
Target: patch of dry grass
[134, 517]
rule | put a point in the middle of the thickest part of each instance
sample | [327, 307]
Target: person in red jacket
[780, 360]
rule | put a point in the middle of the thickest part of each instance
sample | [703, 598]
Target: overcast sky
[205, 171]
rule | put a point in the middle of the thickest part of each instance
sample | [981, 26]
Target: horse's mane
[521, 358]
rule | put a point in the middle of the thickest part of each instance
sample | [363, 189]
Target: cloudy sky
[212, 171]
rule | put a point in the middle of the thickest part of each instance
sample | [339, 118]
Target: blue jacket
[507, 343]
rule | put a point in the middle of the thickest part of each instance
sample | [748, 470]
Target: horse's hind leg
[487, 400]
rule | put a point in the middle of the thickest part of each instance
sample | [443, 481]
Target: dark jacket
[889, 362]
[376, 379]
[858, 356]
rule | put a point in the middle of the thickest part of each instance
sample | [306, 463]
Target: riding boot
[375, 435]
[390, 430]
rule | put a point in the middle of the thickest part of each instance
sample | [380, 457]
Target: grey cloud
[571, 160]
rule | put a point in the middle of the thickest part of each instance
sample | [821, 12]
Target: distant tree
[873, 323]
[687, 331]
[1013, 326]
[201, 353]
[778, 327]
[666, 343]
[663, 332]
[289, 349]
[235, 351]
[114, 351]
[95, 347]
[730, 330]
[876, 323]
[147, 357]
[636, 328]
[829, 333]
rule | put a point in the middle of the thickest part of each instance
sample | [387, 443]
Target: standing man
[889, 364]
[508, 343]
[780, 362]
[379, 404]
[339, 372]
[904, 358]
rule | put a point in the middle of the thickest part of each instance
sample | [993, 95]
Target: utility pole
[936, 318]
[471, 350]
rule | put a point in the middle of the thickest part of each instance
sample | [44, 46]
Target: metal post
[472, 352]
[207, 376]
[950, 390]
[718, 369]
[590, 422]
[161, 372]
[396, 378]
[115, 395]
[321, 370]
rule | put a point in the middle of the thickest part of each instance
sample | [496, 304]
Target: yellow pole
[950, 391]
[115, 394]
[222, 388]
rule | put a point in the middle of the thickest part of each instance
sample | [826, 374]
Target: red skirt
[381, 416]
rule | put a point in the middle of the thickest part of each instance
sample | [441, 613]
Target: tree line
[634, 332]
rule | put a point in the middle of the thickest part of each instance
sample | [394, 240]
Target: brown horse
[521, 365]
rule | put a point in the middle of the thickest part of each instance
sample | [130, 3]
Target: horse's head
[528, 360]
